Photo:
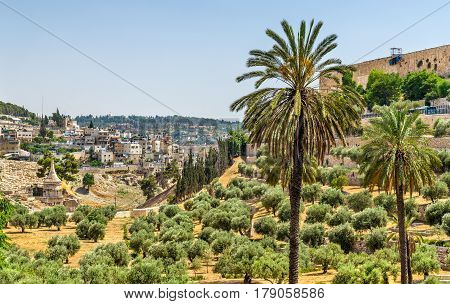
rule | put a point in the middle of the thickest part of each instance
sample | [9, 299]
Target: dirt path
[231, 172]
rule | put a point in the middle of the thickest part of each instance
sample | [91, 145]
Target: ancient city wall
[434, 59]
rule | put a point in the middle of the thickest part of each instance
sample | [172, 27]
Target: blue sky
[185, 53]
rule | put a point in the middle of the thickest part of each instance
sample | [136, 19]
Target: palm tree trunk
[408, 247]
[402, 234]
[295, 188]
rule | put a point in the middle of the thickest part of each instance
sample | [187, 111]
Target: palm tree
[294, 119]
[396, 157]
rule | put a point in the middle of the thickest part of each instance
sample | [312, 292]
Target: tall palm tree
[396, 157]
[295, 120]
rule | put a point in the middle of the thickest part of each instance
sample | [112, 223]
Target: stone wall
[434, 59]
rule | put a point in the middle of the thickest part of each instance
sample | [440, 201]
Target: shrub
[425, 260]
[376, 239]
[272, 199]
[77, 216]
[141, 241]
[445, 178]
[327, 255]
[282, 232]
[359, 201]
[82, 229]
[344, 235]
[341, 216]
[339, 182]
[312, 234]
[219, 190]
[146, 271]
[436, 211]
[266, 226]
[369, 218]
[197, 249]
[446, 223]
[435, 192]
[141, 224]
[233, 192]
[96, 231]
[170, 210]
[317, 213]
[69, 242]
[207, 234]
[221, 241]
[411, 208]
[332, 197]
[311, 193]
[272, 266]
[386, 201]
[284, 212]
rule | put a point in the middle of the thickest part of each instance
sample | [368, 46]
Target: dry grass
[36, 239]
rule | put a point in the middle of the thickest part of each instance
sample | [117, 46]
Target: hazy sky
[185, 53]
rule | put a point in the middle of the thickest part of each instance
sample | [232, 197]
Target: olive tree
[327, 255]
[424, 260]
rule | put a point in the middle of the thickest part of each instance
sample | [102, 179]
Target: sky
[187, 54]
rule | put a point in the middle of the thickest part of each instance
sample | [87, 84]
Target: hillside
[7, 108]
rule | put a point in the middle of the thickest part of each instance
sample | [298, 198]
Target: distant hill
[135, 120]
[7, 108]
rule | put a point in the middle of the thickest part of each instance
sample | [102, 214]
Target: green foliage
[273, 198]
[344, 235]
[436, 211]
[266, 226]
[423, 84]
[369, 218]
[425, 260]
[149, 186]
[221, 241]
[141, 241]
[445, 178]
[96, 231]
[341, 216]
[272, 266]
[339, 182]
[312, 234]
[386, 201]
[382, 88]
[66, 168]
[237, 261]
[146, 271]
[222, 216]
[446, 223]
[327, 255]
[197, 249]
[284, 211]
[436, 191]
[360, 200]
[332, 197]
[376, 239]
[411, 208]
[207, 234]
[52, 216]
[170, 210]
[366, 269]
[311, 192]
[282, 232]
[441, 127]
[317, 213]
[88, 180]
[70, 243]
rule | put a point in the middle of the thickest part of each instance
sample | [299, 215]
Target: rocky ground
[121, 189]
